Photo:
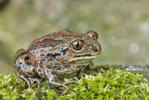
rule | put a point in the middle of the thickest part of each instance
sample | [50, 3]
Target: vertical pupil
[77, 45]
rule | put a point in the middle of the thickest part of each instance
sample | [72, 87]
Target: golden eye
[77, 44]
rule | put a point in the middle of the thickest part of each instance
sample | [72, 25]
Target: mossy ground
[98, 83]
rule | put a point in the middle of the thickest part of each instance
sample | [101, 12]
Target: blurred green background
[123, 26]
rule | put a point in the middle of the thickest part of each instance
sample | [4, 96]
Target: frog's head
[84, 46]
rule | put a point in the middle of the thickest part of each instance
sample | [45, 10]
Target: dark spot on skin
[34, 81]
[94, 48]
[20, 63]
[39, 70]
[27, 57]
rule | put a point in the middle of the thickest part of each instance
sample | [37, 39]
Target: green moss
[110, 84]
[107, 84]
[12, 89]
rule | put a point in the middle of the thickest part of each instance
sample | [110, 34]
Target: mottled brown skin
[56, 55]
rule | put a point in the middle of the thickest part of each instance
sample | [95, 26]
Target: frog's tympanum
[56, 55]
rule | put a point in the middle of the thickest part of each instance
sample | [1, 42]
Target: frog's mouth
[83, 57]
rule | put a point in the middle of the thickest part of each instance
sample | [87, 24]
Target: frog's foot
[58, 84]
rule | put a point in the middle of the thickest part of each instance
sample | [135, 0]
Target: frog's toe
[70, 82]
[64, 86]
[57, 84]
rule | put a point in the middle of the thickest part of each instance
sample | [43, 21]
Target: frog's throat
[83, 58]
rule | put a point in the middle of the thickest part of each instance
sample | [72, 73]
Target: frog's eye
[77, 44]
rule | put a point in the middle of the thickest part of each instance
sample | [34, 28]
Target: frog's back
[45, 41]
[53, 40]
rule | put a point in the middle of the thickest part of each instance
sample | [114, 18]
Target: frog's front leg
[46, 73]
[21, 77]
[52, 78]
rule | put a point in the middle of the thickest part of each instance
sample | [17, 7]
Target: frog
[55, 56]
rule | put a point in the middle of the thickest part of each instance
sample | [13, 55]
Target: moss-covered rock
[108, 84]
